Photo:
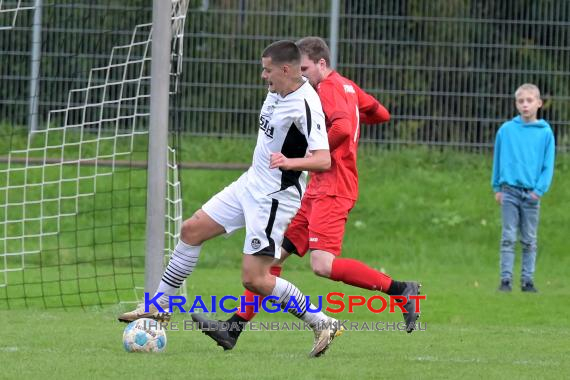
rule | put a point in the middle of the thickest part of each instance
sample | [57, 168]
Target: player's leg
[296, 240]
[227, 339]
[280, 214]
[221, 214]
[238, 321]
[297, 235]
[529, 216]
[256, 277]
[359, 274]
[326, 233]
[195, 231]
[248, 311]
[263, 240]
[510, 221]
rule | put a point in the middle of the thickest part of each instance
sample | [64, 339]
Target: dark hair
[283, 52]
[315, 48]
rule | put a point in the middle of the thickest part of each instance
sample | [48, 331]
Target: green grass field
[421, 215]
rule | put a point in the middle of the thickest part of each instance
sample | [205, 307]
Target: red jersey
[345, 106]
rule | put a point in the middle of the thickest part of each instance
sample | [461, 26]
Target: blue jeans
[519, 212]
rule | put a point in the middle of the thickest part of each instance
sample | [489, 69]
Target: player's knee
[321, 268]
[321, 263]
[251, 283]
[256, 282]
[190, 232]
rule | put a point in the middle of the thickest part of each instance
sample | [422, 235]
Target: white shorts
[265, 217]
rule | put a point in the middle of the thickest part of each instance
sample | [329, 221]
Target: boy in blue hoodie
[523, 165]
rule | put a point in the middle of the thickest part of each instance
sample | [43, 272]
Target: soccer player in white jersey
[265, 198]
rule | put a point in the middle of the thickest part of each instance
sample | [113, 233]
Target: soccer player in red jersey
[320, 222]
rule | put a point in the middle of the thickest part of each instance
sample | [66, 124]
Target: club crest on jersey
[264, 126]
[255, 243]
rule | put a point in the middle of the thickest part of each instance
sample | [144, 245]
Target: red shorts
[318, 225]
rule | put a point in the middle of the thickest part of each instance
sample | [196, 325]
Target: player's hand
[534, 196]
[278, 160]
[499, 197]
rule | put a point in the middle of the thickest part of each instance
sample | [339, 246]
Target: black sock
[396, 288]
[236, 325]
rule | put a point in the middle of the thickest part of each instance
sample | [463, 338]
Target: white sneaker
[152, 313]
[324, 335]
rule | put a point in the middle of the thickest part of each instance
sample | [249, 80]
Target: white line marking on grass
[452, 360]
[544, 363]
[8, 349]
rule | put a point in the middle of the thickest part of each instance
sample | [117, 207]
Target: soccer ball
[144, 335]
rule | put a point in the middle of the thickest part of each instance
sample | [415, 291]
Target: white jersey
[292, 125]
[265, 200]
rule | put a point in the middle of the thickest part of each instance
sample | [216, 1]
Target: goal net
[73, 193]
[9, 11]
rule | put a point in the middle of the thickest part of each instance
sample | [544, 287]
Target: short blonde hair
[527, 87]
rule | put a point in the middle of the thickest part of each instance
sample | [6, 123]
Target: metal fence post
[35, 68]
[334, 22]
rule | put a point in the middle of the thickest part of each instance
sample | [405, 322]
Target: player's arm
[339, 131]
[335, 107]
[371, 110]
[317, 161]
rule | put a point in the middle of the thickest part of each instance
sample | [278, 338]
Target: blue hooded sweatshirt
[524, 156]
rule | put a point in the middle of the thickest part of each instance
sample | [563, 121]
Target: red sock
[249, 309]
[356, 273]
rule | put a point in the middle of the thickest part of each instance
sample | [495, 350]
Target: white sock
[181, 264]
[284, 290]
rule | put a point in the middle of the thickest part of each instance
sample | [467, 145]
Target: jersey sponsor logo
[348, 89]
[264, 126]
[313, 239]
[255, 243]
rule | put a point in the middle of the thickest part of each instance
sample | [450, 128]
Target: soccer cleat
[506, 285]
[152, 313]
[324, 336]
[411, 316]
[528, 286]
[215, 330]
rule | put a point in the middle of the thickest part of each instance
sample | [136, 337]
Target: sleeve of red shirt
[334, 107]
[371, 111]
